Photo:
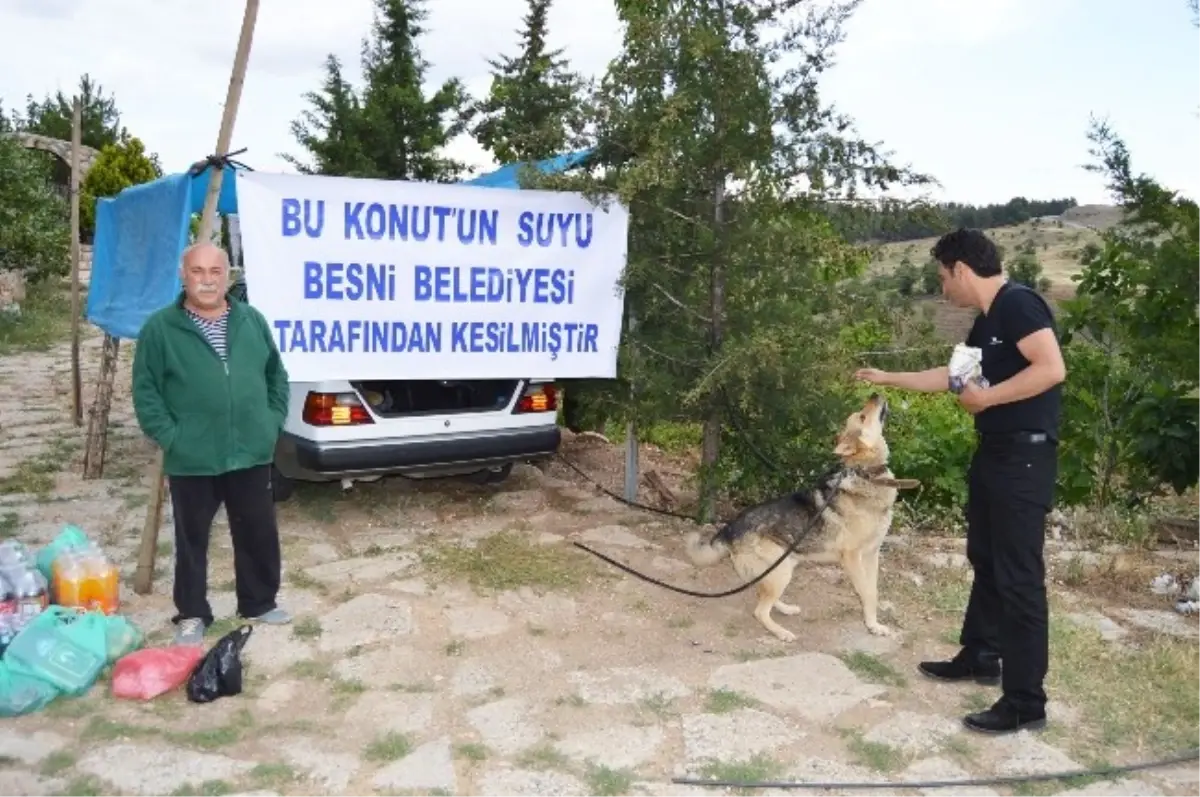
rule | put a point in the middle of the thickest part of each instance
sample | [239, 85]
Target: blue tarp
[142, 232]
[507, 176]
[140, 235]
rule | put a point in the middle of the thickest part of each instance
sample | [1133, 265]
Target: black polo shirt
[1017, 311]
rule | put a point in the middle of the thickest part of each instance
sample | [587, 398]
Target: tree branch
[680, 304]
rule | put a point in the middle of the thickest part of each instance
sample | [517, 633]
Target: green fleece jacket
[208, 416]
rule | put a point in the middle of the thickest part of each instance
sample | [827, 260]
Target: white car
[421, 428]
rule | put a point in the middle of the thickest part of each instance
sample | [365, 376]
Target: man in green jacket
[210, 389]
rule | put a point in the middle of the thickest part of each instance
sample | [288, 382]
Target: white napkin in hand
[966, 365]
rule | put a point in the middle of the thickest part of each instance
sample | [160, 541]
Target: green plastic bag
[22, 694]
[70, 537]
[65, 647]
[121, 636]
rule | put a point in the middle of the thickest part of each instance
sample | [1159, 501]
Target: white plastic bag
[966, 365]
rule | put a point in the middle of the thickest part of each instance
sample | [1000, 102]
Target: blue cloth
[142, 232]
[140, 235]
[226, 201]
[507, 176]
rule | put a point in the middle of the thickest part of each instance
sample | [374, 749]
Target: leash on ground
[1104, 773]
[799, 538]
[1098, 772]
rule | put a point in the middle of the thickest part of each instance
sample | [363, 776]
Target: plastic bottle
[8, 599]
[112, 587]
[99, 589]
[32, 596]
[68, 581]
[7, 632]
[13, 555]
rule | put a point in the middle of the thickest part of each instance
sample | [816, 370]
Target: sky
[990, 97]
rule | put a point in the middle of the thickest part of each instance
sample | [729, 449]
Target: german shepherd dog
[857, 499]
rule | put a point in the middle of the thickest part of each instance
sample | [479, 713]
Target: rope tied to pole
[218, 162]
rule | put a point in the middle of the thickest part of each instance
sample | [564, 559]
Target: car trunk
[400, 398]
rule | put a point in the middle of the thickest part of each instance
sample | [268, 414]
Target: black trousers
[250, 507]
[1011, 490]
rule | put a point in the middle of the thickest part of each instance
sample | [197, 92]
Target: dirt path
[449, 639]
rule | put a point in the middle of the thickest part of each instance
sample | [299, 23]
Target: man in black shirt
[1010, 483]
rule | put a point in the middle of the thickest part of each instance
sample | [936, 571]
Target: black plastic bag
[219, 673]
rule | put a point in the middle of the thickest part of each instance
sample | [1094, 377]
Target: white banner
[377, 279]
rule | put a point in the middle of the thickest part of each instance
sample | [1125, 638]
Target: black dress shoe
[1005, 718]
[966, 666]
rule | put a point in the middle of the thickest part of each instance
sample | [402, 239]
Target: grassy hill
[1058, 241]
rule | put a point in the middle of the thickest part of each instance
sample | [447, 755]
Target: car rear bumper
[298, 457]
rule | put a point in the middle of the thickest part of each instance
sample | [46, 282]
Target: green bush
[1027, 270]
[931, 439]
[118, 167]
[1093, 455]
[34, 220]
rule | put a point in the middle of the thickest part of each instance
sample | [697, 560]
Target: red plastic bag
[150, 672]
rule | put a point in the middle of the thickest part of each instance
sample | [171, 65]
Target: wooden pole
[143, 579]
[76, 376]
[97, 434]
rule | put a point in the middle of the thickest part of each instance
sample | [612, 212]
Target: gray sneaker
[276, 616]
[190, 631]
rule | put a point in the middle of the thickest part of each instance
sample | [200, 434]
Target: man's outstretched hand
[872, 375]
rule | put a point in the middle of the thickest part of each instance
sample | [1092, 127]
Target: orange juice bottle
[68, 579]
[90, 586]
[100, 587]
[108, 585]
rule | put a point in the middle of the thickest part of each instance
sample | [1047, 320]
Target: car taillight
[335, 409]
[538, 398]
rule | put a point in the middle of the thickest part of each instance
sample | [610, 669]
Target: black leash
[694, 594]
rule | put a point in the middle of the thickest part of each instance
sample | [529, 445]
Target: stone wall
[12, 291]
[60, 149]
[85, 264]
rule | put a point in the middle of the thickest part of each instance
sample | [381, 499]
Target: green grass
[306, 627]
[673, 437]
[273, 775]
[1145, 699]
[506, 561]
[759, 768]
[875, 755]
[57, 762]
[472, 751]
[602, 780]
[872, 668]
[45, 319]
[387, 748]
[723, 701]
[35, 476]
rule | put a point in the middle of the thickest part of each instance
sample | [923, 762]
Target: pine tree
[534, 106]
[745, 296]
[330, 130]
[390, 129]
[100, 121]
[404, 131]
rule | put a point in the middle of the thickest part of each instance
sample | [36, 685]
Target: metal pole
[631, 436]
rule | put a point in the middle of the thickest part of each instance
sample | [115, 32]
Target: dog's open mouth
[880, 402]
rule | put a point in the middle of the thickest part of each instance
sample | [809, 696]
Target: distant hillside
[1056, 240]
[896, 223]
[1098, 217]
